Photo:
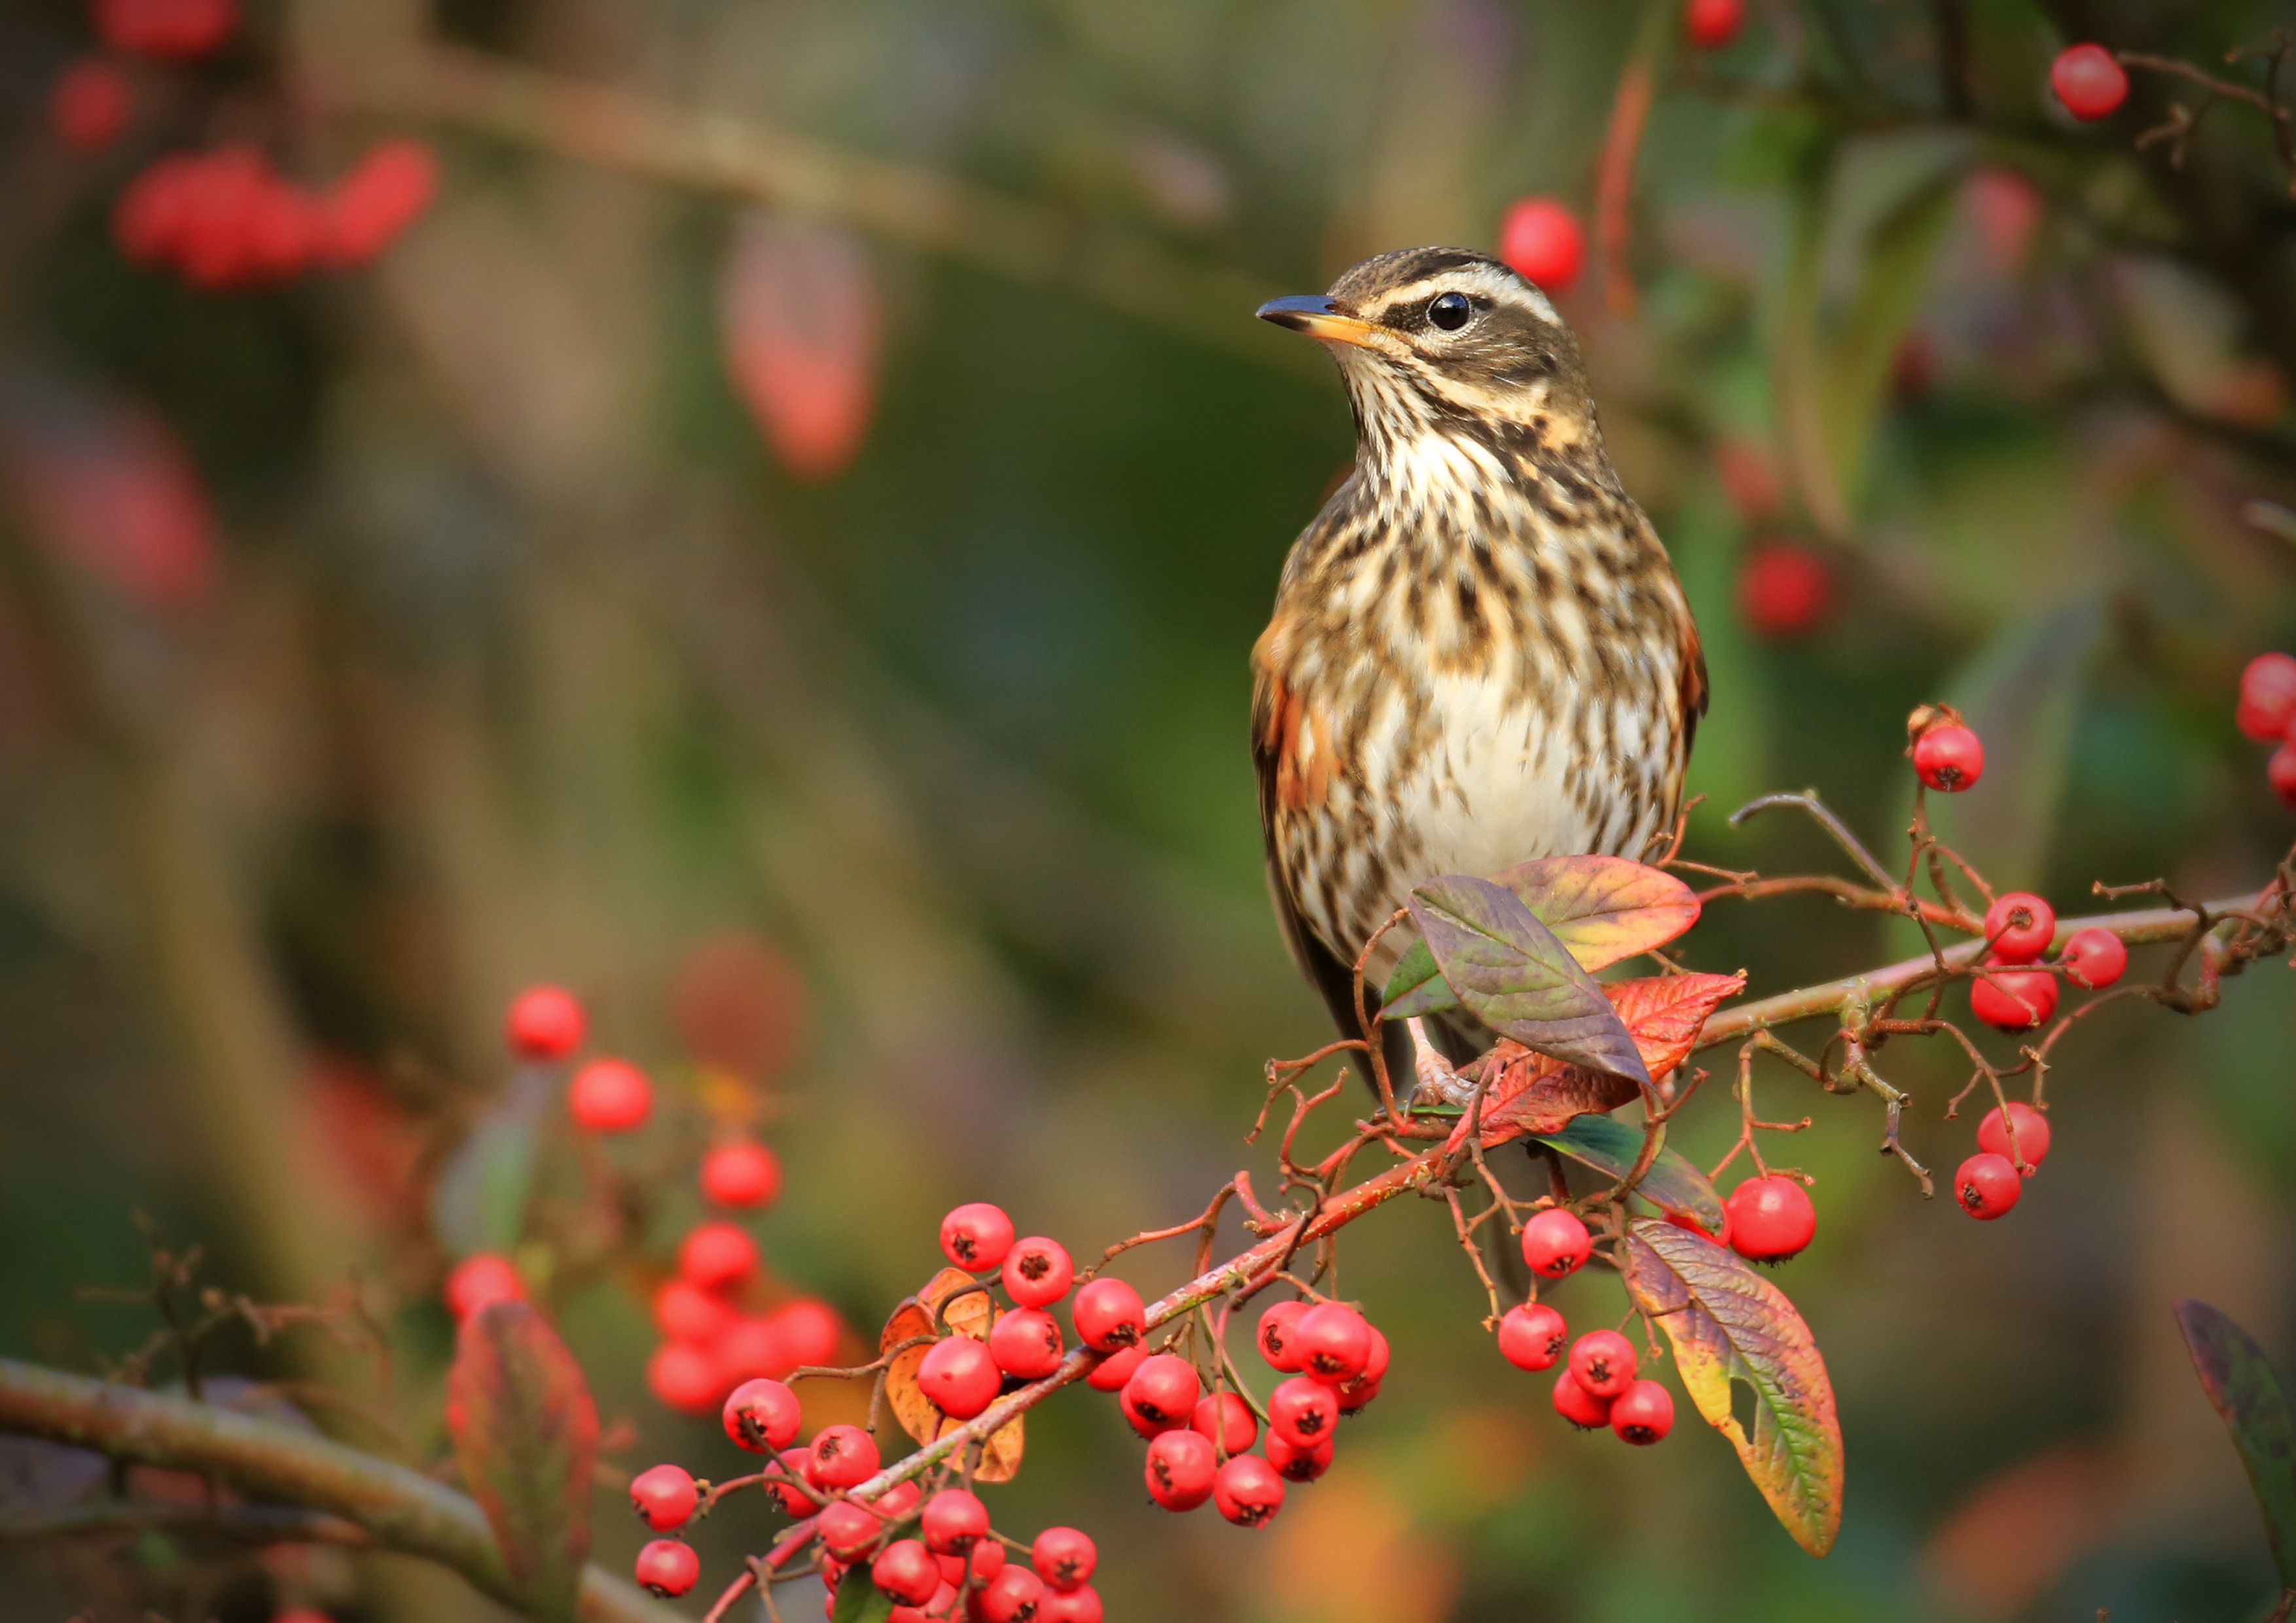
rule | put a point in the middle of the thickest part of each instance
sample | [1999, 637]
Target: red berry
[1077, 1605]
[1682, 1219]
[1275, 1335]
[179, 29]
[1356, 1395]
[1578, 1406]
[544, 1022]
[1026, 1342]
[664, 1497]
[752, 1348]
[609, 1096]
[90, 105]
[1642, 1413]
[1294, 1464]
[763, 1415]
[810, 1332]
[1306, 1412]
[2094, 958]
[905, 1571]
[1111, 1373]
[2268, 697]
[1986, 1185]
[2013, 999]
[1161, 1394]
[684, 1312]
[1248, 1490]
[2032, 1135]
[1554, 1244]
[2089, 81]
[2280, 771]
[744, 1174]
[1181, 1465]
[1530, 1336]
[385, 194]
[1542, 239]
[480, 1279]
[1109, 1315]
[952, 1521]
[1602, 1363]
[1949, 759]
[976, 1236]
[1333, 1343]
[1771, 1218]
[848, 1528]
[1038, 1271]
[786, 1485]
[1012, 1596]
[1064, 1558]
[940, 1609]
[898, 1500]
[959, 1377]
[667, 1567]
[717, 1256]
[2019, 925]
[684, 1378]
[1783, 589]
[841, 1456]
[1227, 1419]
[1713, 24]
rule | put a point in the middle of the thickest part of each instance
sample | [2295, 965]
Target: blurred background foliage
[742, 542]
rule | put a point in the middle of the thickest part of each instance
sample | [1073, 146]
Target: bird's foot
[1438, 1083]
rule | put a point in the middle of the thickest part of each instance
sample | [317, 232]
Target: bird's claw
[1437, 1082]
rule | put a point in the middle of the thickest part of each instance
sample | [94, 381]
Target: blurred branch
[904, 203]
[253, 1524]
[395, 1508]
[1614, 175]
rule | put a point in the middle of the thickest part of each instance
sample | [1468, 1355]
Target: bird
[1480, 652]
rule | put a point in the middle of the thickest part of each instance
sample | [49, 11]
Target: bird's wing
[1330, 976]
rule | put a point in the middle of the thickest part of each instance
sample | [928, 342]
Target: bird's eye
[1449, 311]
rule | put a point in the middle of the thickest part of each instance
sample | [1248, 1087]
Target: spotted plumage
[1479, 652]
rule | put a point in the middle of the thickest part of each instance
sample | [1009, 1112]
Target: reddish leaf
[1603, 908]
[969, 1315]
[802, 326]
[2239, 1382]
[526, 1434]
[1728, 1326]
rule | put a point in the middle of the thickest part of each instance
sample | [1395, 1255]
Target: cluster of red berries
[2012, 993]
[2012, 1141]
[2267, 714]
[226, 219]
[935, 1559]
[1600, 1383]
[2089, 81]
[92, 103]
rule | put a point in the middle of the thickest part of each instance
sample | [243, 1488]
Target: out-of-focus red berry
[742, 1175]
[1109, 1315]
[2013, 999]
[905, 1571]
[763, 1415]
[1542, 239]
[544, 1022]
[752, 1349]
[959, 1377]
[2089, 81]
[1274, 1336]
[1555, 1244]
[684, 1312]
[1949, 759]
[976, 1236]
[1111, 1373]
[1712, 24]
[1602, 1363]
[2032, 1135]
[1080, 1605]
[1333, 1343]
[1227, 1419]
[1785, 589]
[1038, 1271]
[1180, 1468]
[1064, 1558]
[383, 194]
[1026, 1342]
[483, 1277]
[664, 1497]
[609, 1096]
[810, 1332]
[1643, 1414]
[1771, 1218]
[2280, 771]
[2020, 924]
[2094, 958]
[717, 1256]
[667, 1567]
[1986, 1185]
[90, 105]
[1247, 1490]
[1161, 1394]
[1578, 1406]
[841, 1456]
[176, 30]
[952, 1521]
[1531, 1336]
[2268, 697]
[684, 1378]
[1294, 1464]
[1304, 1410]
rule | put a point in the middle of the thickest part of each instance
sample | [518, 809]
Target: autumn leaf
[969, 1315]
[1730, 1327]
[526, 1434]
[2239, 1382]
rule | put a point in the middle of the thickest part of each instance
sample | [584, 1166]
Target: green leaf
[1514, 975]
[526, 1434]
[1729, 1325]
[2239, 1380]
[479, 1201]
[859, 1600]
[1416, 987]
[1612, 1147]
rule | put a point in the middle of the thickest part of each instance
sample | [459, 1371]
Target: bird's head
[1449, 342]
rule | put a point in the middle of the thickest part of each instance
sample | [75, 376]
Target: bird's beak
[1319, 317]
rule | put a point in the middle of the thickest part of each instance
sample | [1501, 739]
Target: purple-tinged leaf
[2239, 1383]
